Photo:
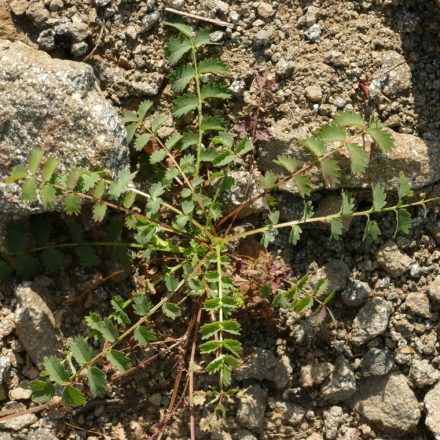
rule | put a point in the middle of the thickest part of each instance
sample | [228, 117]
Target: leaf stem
[326, 218]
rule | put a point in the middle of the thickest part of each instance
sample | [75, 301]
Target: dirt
[344, 69]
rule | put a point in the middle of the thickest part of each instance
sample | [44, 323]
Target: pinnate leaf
[176, 48]
[48, 196]
[42, 391]
[171, 310]
[119, 186]
[144, 336]
[349, 119]
[131, 130]
[331, 171]
[52, 259]
[404, 187]
[382, 138]
[372, 231]
[181, 27]
[18, 172]
[212, 123]
[73, 397]
[336, 228]
[158, 121]
[295, 234]
[223, 138]
[35, 159]
[358, 157]
[157, 156]
[379, 197]
[144, 108]
[403, 221]
[184, 104]
[81, 350]
[89, 180]
[98, 212]
[49, 168]
[181, 77]
[243, 147]
[129, 116]
[203, 37]
[303, 184]
[57, 373]
[29, 190]
[214, 91]
[119, 360]
[97, 380]
[331, 133]
[141, 141]
[72, 204]
[212, 66]
[289, 163]
[315, 145]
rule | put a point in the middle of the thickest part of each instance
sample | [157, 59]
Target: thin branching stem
[326, 218]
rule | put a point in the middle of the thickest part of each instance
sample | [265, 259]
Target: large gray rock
[52, 104]
[371, 321]
[392, 260]
[18, 423]
[36, 326]
[432, 404]
[250, 413]
[264, 365]
[388, 403]
[342, 382]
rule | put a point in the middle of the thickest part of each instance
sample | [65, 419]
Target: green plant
[182, 215]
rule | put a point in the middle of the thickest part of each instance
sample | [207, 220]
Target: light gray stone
[7, 325]
[149, 21]
[392, 260]
[377, 362]
[356, 293]
[17, 423]
[287, 412]
[315, 374]
[124, 85]
[250, 413]
[432, 405]
[263, 38]
[37, 13]
[36, 326]
[46, 39]
[423, 374]
[18, 7]
[314, 93]
[371, 320]
[332, 419]
[5, 366]
[313, 33]
[52, 104]
[263, 364]
[399, 79]
[342, 383]
[418, 303]
[41, 434]
[79, 49]
[388, 403]
[265, 10]
[20, 393]
[434, 289]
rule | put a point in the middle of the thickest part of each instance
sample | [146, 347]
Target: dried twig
[199, 17]
[98, 41]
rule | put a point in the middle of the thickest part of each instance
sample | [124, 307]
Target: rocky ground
[369, 371]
